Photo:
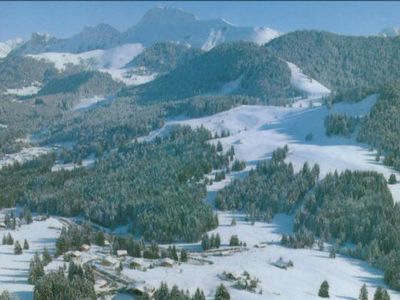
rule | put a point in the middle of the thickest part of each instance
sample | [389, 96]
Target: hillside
[163, 57]
[232, 68]
[339, 62]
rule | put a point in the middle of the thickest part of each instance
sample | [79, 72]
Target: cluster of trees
[340, 124]
[380, 293]
[381, 128]
[154, 186]
[86, 83]
[355, 207]
[78, 283]
[271, 187]
[163, 57]
[208, 242]
[164, 293]
[347, 64]
[258, 73]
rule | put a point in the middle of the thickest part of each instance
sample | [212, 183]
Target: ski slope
[256, 131]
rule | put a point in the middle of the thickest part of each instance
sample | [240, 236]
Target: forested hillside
[356, 207]
[163, 57]
[250, 70]
[341, 63]
[381, 128]
[153, 186]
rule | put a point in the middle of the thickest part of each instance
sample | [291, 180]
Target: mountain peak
[167, 14]
[390, 32]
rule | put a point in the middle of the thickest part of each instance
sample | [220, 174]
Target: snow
[3, 126]
[263, 35]
[213, 39]
[14, 268]
[70, 166]
[306, 84]
[111, 61]
[88, 102]
[114, 58]
[24, 155]
[311, 267]
[33, 89]
[256, 131]
[7, 46]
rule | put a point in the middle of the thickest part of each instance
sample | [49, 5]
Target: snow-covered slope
[111, 58]
[256, 131]
[390, 32]
[7, 46]
[305, 83]
[14, 268]
[110, 61]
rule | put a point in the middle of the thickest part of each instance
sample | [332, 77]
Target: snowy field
[33, 89]
[111, 61]
[14, 268]
[256, 131]
[311, 267]
[24, 155]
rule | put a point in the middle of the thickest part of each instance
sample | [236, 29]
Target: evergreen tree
[17, 248]
[162, 293]
[332, 253]
[199, 295]
[184, 255]
[363, 293]
[233, 222]
[5, 295]
[26, 245]
[219, 147]
[324, 290]
[234, 241]
[217, 241]
[36, 270]
[222, 293]
[392, 179]
[205, 242]
[378, 293]
[99, 241]
[46, 256]
[174, 253]
[10, 240]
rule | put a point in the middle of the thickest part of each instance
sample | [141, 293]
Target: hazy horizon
[64, 19]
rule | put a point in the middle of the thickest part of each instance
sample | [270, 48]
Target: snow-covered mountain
[7, 46]
[162, 24]
[159, 24]
[390, 32]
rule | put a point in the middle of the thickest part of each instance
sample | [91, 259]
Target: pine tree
[199, 295]
[234, 241]
[222, 293]
[99, 241]
[162, 293]
[392, 179]
[174, 254]
[217, 241]
[26, 245]
[324, 290]
[363, 293]
[17, 248]
[233, 222]
[10, 240]
[184, 255]
[36, 270]
[219, 147]
[332, 253]
[378, 293]
[46, 257]
[205, 242]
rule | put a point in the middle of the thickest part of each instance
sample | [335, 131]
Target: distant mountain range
[159, 24]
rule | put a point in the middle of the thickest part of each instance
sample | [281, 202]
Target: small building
[75, 254]
[109, 261]
[106, 243]
[282, 264]
[142, 289]
[84, 247]
[167, 262]
[136, 263]
[122, 253]
[3, 225]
